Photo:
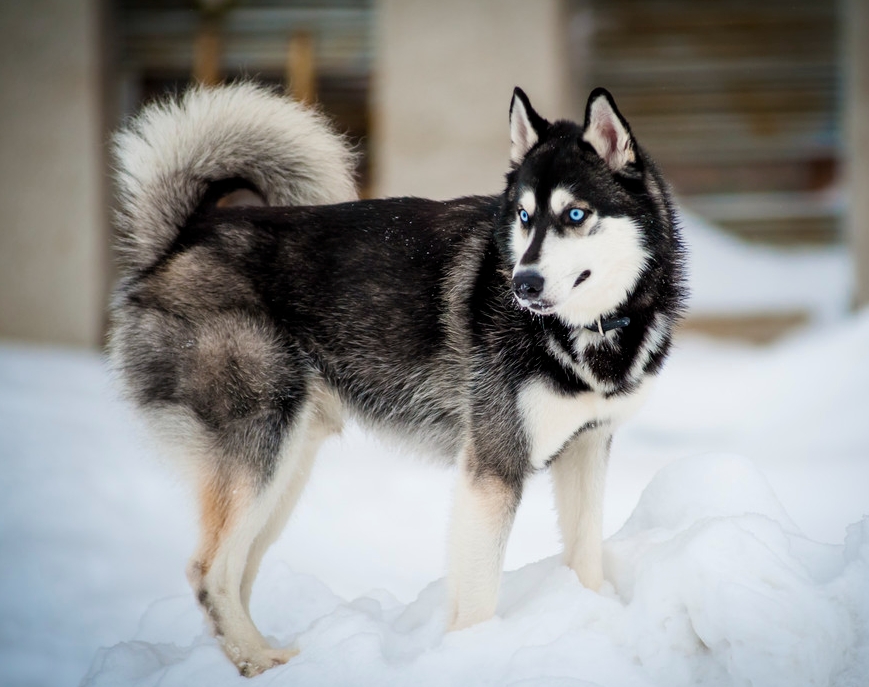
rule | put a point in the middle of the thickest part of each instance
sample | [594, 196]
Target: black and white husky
[256, 308]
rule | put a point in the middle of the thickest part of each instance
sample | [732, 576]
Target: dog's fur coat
[256, 308]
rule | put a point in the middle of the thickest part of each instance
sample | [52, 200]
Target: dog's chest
[550, 418]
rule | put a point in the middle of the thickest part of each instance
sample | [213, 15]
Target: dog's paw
[256, 663]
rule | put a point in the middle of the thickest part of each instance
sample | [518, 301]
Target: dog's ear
[608, 132]
[526, 126]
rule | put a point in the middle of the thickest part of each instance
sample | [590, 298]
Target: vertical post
[301, 72]
[207, 47]
[856, 30]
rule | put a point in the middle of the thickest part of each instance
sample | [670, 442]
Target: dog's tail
[175, 150]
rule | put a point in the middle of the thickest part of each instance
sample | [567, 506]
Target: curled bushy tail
[169, 154]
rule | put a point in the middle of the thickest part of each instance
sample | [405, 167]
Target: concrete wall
[444, 75]
[53, 246]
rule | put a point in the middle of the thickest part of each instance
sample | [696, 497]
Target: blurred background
[756, 111]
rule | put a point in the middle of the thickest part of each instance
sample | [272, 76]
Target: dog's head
[578, 211]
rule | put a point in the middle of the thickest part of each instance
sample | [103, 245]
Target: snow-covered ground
[737, 550]
[729, 276]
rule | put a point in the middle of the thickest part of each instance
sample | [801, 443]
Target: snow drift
[711, 584]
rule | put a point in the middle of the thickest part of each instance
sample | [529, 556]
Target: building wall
[53, 245]
[444, 74]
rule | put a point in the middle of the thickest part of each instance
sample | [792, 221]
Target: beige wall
[444, 76]
[52, 222]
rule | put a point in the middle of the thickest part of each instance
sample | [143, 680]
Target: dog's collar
[603, 326]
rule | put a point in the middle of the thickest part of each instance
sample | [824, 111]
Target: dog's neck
[602, 326]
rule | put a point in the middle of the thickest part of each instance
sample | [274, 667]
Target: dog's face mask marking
[571, 257]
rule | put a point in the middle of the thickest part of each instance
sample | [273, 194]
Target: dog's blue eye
[523, 216]
[576, 215]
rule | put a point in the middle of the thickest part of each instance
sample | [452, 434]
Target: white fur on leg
[278, 519]
[578, 477]
[483, 511]
[238, 636]
[252, 524]
[293, 475]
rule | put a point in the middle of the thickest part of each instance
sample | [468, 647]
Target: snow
[729, 276]
[737, 548]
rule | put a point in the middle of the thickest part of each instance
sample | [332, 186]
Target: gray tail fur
[169, 154]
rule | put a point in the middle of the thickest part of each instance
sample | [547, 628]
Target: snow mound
[716, 573]
[728, 275]
[710, 583]
[722, 485]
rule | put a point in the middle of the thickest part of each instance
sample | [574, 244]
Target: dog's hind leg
[271, 529]
[240, 516]
[233, 513]
[229, 505]
[578, 477]
[484, 507]
[325, 421]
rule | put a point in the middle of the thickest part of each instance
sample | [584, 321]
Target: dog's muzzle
[528, 285]
[528, 289]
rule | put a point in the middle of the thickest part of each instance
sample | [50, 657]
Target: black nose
[528, 285]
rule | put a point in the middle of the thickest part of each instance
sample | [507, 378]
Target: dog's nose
[528, 285]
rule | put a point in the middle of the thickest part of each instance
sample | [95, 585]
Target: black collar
[604, 326]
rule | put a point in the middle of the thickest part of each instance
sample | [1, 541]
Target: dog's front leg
[578, 477]
[484, 506]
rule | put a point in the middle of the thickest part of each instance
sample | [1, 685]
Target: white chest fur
[550, 418]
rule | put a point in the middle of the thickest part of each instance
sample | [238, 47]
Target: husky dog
[256, 308]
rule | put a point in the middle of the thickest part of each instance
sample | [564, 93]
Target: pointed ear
[608, 132]
[526, 126]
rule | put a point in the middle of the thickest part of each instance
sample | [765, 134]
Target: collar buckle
[604, 326]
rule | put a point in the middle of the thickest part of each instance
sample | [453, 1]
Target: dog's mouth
[581, 278]
[539, 307]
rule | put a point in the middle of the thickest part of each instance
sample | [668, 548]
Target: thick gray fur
[169, 154]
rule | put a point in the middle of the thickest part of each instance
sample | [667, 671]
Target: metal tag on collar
[604, 326]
